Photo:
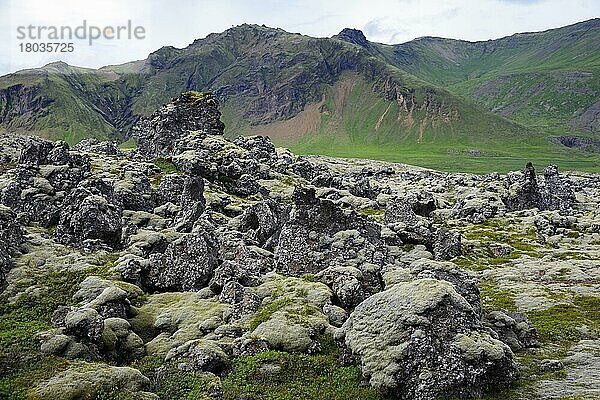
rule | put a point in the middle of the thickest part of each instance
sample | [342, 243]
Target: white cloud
[178, 23]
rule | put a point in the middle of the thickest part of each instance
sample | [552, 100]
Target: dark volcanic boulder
[422, 340]
[88, 219]
[264, 220]
[513, 328]
[161, 133]
[557, 192]
[524, 193]
[553, 193]
[11, 237]
[187, 264]
[319, 234]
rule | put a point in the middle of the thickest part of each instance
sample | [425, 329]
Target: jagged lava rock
[422, 340]
[160, 133]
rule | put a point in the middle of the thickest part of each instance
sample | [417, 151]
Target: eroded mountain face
[199, 266]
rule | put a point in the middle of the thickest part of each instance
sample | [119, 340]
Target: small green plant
[372, 212]
[166, 165]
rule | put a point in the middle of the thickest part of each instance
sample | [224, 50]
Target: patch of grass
[276, 375]
[530, 374]
[495, 297]
[22, 319]
[372, 211]
[171, 383]
[562, 323]
[464, 262]
[14, 384]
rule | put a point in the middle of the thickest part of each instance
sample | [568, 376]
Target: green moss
[495, 297]
[287, 180]
[226, 179]
[309, 278]
[166, 165]
[282, 376]
[530, 374]
[464, 262]
[14, 383]
[20, 321]
[7, 166]
[265, 313]
[197, 98]
[571, 255]
[562, 323]
[372, 211]
[171, 383]
[497, 223]
[497, 232]
[105, 262]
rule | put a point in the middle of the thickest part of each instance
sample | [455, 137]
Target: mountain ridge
[356, 93]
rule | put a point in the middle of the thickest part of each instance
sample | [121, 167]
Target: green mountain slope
[434, 102]
[64, 102]
[548, 80]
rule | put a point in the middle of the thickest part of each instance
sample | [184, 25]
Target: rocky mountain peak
[354, 36]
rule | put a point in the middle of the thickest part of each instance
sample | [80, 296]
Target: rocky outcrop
[98, 326]
[423, 340]
[525, 192]
[11, 237]
[162, 133]
[187, 263]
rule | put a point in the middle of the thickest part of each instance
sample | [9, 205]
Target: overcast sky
[179, 22]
